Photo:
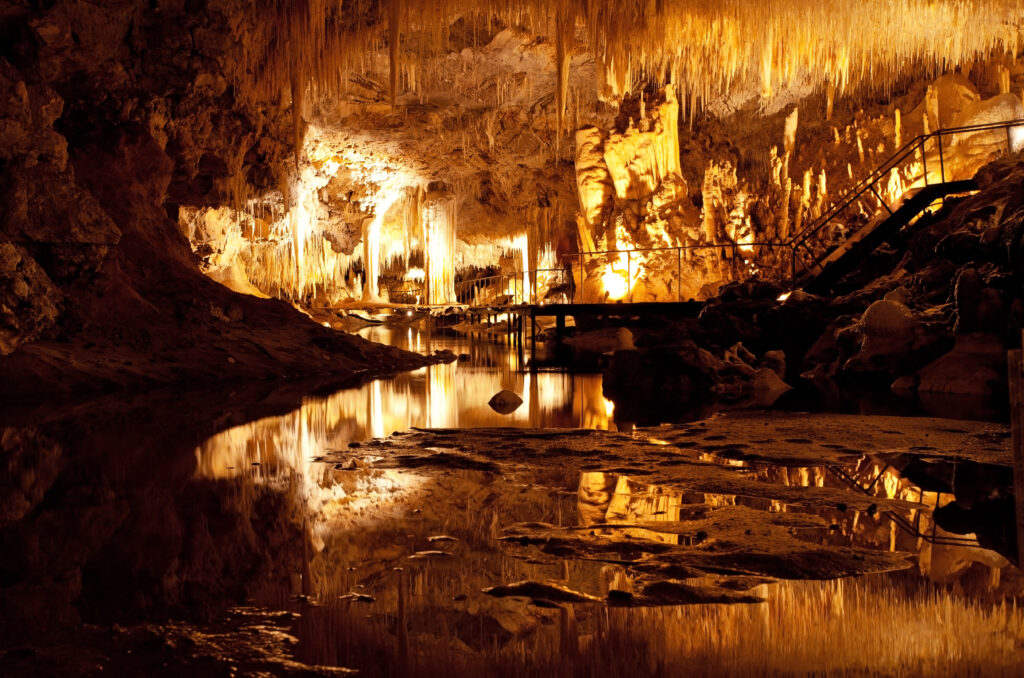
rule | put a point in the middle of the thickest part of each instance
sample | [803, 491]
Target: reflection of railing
[911, 528]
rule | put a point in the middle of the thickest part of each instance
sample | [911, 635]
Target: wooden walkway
[521, 319]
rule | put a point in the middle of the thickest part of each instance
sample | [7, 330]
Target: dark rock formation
[112, 118]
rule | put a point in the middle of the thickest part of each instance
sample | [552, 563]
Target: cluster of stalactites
[710, 48]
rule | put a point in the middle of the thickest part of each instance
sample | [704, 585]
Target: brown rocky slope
[109, 123]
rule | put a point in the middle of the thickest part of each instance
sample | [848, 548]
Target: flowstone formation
[484, 100]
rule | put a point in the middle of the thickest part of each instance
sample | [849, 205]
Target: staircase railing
[896, 160]
[510, 287]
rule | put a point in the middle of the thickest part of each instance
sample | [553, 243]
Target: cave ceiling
[484, 95]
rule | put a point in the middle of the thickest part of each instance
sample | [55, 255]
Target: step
[911, 204]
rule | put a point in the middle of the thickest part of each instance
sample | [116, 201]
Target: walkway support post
[1016, 378]
[679, 274]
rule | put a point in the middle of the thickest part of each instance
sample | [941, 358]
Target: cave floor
[298, 535]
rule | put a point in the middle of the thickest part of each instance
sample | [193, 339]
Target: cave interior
[732, 285]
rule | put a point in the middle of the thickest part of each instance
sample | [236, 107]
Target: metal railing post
[792, 270]
[942, 163]
[583, 278]
[679, 274]
[924, 162]
[629, 274]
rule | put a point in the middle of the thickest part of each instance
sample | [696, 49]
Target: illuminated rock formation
[288, 141]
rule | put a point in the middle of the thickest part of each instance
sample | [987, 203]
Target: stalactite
[298, 99]
[394, 18]
[564, 34]
[714, 47]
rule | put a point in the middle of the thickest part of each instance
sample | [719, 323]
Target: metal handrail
[501, 282]
[895, 160]
[795, 242]
[465, 288]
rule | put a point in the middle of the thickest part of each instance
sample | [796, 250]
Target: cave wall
[114, 117]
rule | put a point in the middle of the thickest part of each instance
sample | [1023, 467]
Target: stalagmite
[1004, 80]
[931, 103]
[371, 258]
[822, 198]
[805, 202]
[439, 217]
[787, 191]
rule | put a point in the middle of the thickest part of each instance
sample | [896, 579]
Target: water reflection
[398, 559]
[940, 555]
[392, 563]
[427, 616]
[452, 395]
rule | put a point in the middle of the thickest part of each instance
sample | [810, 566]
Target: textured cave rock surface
[110, 119]
[932, 311]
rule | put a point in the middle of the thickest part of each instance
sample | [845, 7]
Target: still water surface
[124, 516]
[396, 559]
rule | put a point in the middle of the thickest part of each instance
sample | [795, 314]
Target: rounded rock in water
[505, 402]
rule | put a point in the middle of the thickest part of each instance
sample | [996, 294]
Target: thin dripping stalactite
[565, 30]
[394, 37]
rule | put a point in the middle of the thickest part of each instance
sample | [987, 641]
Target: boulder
[29, 301]
[888, 330]
[975, 366]
[505, 402]
[624, 340]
